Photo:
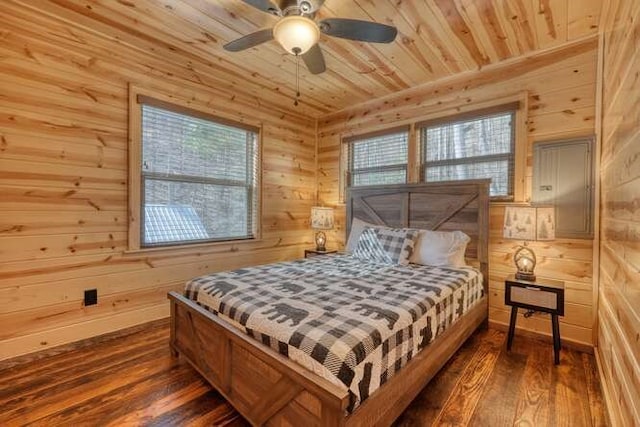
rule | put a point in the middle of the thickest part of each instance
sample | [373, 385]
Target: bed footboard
[264, 386]
[269, 389]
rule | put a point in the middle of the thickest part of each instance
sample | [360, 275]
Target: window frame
[443, 112]
[139, 96]
[509, 108]
[347, 155]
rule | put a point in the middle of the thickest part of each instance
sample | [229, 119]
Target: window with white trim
[198, 176]
[378, 159]
[472, 146]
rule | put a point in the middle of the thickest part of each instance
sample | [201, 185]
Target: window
[198, 176]
[377, 159]
[472, 146]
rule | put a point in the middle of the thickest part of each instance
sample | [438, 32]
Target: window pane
[379, 178]
[471, 138]
[379, 160]
[178, 144]
[384, 150]
[497, 170]
[184, 211]
[199, 177]
[476, 148]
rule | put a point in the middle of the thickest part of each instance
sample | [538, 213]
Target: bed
[271, 368]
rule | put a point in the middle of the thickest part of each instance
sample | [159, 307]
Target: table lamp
[321, 219]
[528, 224]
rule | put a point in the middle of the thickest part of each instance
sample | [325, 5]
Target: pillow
[357, 227]
[386, 245]
[440, 248]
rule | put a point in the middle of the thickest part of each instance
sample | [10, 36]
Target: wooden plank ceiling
[437, 39]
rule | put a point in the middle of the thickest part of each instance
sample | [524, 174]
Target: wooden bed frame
[269, 389]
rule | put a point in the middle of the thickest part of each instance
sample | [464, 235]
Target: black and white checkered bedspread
[353, 322]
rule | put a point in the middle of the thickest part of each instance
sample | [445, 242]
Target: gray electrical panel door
[563, 177]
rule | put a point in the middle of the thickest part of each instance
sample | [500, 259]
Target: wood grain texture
[619, 305]
[536, 389]
[63, 167]
[559, 88]
[436, 39]
[462, 402]
[499, 399]
[131, 379]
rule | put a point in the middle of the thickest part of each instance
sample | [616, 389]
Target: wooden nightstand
[308, 253]
[544, 295]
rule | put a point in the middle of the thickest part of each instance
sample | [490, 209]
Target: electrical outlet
[90, 297]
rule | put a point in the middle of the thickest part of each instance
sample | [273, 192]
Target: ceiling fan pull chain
[296, 51]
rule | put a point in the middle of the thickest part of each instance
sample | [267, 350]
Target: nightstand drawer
[547, 295]
[534, 296]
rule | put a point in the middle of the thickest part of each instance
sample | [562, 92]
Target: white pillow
[440, 248]
[357, 227]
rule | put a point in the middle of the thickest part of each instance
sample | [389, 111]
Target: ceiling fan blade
[314, 60]
[354, 29]
[250, 40]
[265, 6]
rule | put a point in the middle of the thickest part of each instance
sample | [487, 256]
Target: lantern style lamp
[528, 224]
[525, 260]
[321, 219]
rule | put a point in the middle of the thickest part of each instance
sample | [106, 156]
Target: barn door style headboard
[444, 206]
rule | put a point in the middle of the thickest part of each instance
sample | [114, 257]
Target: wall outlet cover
[90, 297]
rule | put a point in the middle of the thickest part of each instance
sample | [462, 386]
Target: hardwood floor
[132, 380]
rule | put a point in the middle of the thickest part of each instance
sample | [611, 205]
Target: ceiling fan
[298, 33]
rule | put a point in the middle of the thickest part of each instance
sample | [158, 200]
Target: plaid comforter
[353, 322]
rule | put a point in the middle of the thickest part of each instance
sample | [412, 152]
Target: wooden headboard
[445, 206]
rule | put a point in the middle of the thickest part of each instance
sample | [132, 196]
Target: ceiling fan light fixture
[296, 34]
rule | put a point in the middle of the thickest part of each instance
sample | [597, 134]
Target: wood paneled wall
[619, 304]
[63, 168]
[561, 85]
[63, 179]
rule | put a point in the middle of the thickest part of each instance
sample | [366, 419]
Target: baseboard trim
[65, 348]
[567, 343]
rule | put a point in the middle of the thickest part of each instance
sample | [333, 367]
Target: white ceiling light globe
[296, 34]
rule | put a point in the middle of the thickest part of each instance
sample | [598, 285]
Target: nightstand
[543, 295]
[308, 253]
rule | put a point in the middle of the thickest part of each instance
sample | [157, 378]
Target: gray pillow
[357, 227]
[386, 245]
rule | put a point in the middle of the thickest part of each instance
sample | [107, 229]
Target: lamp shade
[296, 34]
[321, 218]
[525, 223]
[519, 223]
[546, 223]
